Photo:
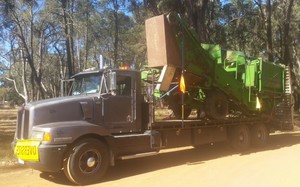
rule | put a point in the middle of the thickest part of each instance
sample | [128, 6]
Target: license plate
[27, 150]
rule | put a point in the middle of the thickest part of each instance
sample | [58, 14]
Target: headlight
[37, 135]
[40, 135]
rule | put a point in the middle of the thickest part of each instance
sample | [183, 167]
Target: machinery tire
[240, 137]
[259, 135]
[177, 111]
[216, 105]
[86, 162]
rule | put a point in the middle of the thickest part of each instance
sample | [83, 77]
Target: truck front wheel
[86, 162]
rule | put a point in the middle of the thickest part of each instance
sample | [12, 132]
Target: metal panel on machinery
[161, 45]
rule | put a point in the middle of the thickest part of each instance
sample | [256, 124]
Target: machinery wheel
[259, 135]
[177, 111]
[240, 137]
[174, 102]
[216, 105]
[87, 162]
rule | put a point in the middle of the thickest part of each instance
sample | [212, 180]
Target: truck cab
[117, 99]
[102, 116]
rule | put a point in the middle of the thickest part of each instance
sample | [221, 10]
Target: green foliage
[13, 98]
[8, 94]
[43, 41]
[3, 93]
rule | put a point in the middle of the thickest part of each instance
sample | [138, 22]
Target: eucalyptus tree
[47, 41]
[20, 20]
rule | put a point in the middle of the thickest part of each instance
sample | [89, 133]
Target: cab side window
[123, 86]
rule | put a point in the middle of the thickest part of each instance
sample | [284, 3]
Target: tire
[86, 162]
[240, 137]
[216, 105]
[174, 102]
[177, 111]
[259, 135]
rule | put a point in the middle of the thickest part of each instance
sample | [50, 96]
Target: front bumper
[50, 158]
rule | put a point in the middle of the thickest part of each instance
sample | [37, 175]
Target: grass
[7, 129]
[6, 152]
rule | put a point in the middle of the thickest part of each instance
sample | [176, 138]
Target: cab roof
[100, 71]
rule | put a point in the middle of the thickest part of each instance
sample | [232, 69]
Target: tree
[67, 7]
[266, 15]
[196, 11]
[20, 18]
[49, 41]
[286, 32]
[269, 31]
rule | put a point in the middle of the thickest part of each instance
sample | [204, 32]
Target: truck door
[118, 110]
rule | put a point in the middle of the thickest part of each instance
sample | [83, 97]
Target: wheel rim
[90, 161]
[219, 106]
[216, 105]
[241, 137]
[261, 135]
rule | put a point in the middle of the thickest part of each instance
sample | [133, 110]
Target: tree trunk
[286, 37]
[86, 37]
[28, 52]
[62, 70]
[24, 81]
[196, 11]
[30, 61]
[269, 31]
[68, 24]
[116, 42]
[202, 30]
[152, 5]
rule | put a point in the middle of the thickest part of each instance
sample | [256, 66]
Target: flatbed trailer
[196, 132]
[84, 134]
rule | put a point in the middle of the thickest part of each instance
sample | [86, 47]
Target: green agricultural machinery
[218, 82]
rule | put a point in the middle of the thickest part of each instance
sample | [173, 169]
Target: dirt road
[276, 165]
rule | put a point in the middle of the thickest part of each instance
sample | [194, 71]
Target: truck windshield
[86, 84]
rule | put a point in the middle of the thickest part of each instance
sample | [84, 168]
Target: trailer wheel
[240, 137]
[216, 105]
[87, 162]
[259, 135]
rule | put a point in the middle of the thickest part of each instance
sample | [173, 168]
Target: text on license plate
[27, 150]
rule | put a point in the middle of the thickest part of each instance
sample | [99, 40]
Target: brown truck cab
[99, 122]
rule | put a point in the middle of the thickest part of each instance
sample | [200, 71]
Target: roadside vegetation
[45, 42]
[8, 118]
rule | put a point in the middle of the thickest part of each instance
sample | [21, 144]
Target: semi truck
[111, 113]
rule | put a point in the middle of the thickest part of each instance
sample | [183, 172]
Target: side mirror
[112, 81]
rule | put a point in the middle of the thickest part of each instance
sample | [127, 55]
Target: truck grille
[22, 130]
[19, 124]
